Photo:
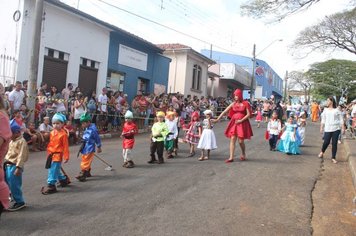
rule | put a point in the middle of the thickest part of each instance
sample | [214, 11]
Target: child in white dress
[301, 126]
[207, 140]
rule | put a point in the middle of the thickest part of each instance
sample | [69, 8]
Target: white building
[225, 78]
[188, 70]
[74, 45]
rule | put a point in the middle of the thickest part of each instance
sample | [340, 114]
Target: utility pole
[36, 42]
[285, 87]
[252, 91]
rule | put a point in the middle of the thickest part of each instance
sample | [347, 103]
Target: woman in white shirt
[331, 125]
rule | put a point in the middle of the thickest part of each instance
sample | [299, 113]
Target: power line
[164, 26]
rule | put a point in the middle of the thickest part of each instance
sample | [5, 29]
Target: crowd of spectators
[106, 109]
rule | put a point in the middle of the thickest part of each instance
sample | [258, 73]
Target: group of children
[164, 136]
[291, 136]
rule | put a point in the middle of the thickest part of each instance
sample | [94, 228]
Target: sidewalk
[334, 192]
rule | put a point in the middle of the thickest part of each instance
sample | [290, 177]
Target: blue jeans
[273, 141]
[333, 137]
[54, 173]
[147, 119]
[15, 183]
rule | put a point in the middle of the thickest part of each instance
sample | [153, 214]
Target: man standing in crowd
[66, 93]
[102, 109]
[16, 97]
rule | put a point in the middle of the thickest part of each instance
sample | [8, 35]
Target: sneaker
[16, 206]
[48, 189]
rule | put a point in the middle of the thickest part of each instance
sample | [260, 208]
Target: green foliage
[333, 78]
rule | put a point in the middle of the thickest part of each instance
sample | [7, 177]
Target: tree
[334, 78]
[300, 81]
[279, 8]
[335, 31]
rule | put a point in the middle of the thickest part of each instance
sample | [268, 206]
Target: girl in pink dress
[239, 127]
[194, 131]
[258, 116]
[5, 136]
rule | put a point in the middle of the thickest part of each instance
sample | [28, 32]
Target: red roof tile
[172, 46]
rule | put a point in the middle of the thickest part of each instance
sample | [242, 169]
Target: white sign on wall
[132, 58]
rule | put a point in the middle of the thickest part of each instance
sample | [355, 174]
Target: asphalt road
[269, 194]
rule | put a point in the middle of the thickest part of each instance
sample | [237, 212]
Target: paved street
[270, 194]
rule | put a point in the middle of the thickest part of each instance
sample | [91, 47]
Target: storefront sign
[132, 58]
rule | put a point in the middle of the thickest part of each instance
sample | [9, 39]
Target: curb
[350, 150]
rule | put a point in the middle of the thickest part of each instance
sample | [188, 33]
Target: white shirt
[172, 128]
[353, 112]
[274, 127]
[45, 128]
[102, 100]
[332, 119]
[17, 98]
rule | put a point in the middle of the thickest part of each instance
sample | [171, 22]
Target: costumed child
[57, 151]
[128, 132]
[171, 123]
[207, 140]
[302, 122]
[289, 143]
[14, 163]
[159, 133]
[193, 132]
[274, 127]
[259, 117]
[239, 127]
[90, 139]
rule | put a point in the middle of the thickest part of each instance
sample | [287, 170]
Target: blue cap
[15, 127]
[59, 117]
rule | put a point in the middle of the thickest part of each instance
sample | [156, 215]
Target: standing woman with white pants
[331, 125]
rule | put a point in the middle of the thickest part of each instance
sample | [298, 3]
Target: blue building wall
[157, 64]
[265, 76]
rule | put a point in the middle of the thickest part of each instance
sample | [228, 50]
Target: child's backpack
[91, 105]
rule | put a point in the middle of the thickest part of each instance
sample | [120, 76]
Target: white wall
[177, 68]
[69, 33]
[9, 37]
[181, 72]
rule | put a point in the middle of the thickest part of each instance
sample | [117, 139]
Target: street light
[254, 65]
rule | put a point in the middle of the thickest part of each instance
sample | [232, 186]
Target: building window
[196, 80]
[49, 52]
[89, 63]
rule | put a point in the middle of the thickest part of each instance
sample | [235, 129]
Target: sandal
[321, 155]
[229, 160]
[191, 154]
[206, 158]
[334, 161]
[242, 158]
[201, 158]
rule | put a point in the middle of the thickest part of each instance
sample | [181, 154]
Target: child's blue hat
[59, 117]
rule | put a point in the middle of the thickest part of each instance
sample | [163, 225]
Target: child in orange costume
[128, 131]
[57, 150]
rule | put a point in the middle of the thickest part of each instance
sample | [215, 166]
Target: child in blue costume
[90, 139]
[289, 142]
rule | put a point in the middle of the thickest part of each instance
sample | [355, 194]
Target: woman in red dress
[239, 127]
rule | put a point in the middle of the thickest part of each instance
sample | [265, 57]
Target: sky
[217, 23]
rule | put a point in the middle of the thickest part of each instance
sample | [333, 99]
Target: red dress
[128, 131]
[242, 130]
